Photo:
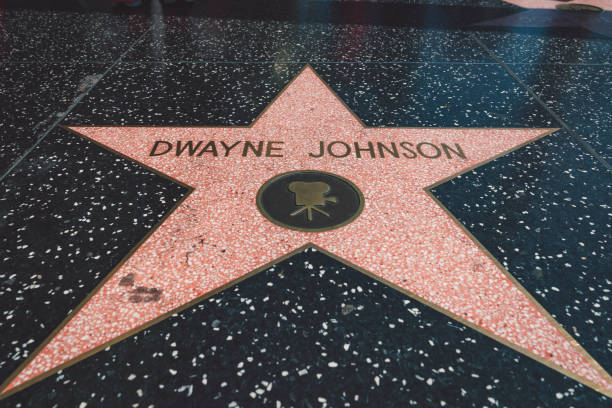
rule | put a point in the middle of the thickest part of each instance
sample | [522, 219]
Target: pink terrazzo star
[217, 234]
[554, 4]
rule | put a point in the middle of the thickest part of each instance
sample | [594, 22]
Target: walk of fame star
[399, 233]
[592, 15]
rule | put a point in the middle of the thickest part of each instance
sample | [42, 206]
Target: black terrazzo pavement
[544, 212]
[33, 95]
[208, 39]
[308, 332]
[68, 215]
[437, 95]
[580, 95]
[423, 94]
[196, 94]
[553, 197]
[49, 58]
[67, 36]
[529, 47]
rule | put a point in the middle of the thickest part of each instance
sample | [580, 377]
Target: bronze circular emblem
[309, 200]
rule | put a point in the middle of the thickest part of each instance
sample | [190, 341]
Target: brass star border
[259, 269]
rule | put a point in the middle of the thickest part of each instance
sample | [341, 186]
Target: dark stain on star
[143, 294]
[139, 294]
[127, 280]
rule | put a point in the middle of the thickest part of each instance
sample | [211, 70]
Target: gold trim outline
[276, 261]
[427, 189]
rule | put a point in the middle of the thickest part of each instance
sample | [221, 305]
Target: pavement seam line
[578, 138]
[77, 100]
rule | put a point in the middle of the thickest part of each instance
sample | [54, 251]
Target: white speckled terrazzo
[217, 235]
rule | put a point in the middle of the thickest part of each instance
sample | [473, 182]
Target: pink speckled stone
[552, 4]
[402, 235]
